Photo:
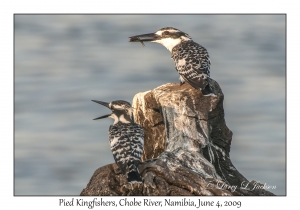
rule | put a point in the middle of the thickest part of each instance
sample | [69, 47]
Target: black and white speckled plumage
[126, 139]
[192, 63]
[191, 59]
[126, 143]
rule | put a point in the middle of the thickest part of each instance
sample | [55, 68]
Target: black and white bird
[191, 59]
[126, 138]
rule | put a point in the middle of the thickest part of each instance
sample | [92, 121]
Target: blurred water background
[64, 61]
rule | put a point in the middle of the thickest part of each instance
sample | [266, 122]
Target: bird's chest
[120, 134]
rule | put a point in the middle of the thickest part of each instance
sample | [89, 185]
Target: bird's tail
[207, 91]
[134, 174]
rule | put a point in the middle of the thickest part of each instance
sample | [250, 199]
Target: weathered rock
[161, 177]
[186, 152]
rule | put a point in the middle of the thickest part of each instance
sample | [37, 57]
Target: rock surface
[186, 152]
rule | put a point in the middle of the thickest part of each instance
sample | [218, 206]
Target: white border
[8, 8]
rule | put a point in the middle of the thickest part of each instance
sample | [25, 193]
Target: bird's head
[121, 111]
[168, 37]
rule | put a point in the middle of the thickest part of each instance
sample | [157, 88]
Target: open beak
[144, 38]
[104, 104]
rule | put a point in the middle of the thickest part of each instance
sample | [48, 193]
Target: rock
[186, 152]
[160, 178]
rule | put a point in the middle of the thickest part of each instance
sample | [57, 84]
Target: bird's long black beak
[104, 104]
[144, 37]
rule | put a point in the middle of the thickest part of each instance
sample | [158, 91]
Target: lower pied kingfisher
[126, 138]
[191, 59]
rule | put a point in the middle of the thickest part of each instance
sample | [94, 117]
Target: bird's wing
[118, 145]
[137, 143]
[195, 82]
[192, 63]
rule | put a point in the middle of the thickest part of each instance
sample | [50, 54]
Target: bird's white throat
[170, 43]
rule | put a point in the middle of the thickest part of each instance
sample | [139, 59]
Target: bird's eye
[166, 33]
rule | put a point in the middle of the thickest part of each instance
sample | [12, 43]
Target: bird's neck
[183, 40]
[175, 48]
[124, 119]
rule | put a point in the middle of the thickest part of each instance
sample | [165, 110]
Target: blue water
[62, 62]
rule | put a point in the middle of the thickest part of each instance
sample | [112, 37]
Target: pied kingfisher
[126, 138]
[191, 59]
